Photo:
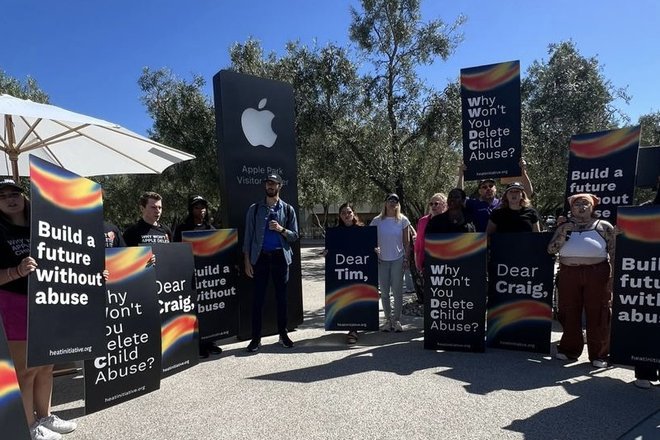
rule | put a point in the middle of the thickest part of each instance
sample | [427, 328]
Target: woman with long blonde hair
[393, 255]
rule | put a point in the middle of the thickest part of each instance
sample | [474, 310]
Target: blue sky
[88, 55]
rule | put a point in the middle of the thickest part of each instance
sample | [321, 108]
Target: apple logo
[256, 126]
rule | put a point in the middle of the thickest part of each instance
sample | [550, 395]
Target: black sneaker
[214, 349]
[285, 341]
[254, 345]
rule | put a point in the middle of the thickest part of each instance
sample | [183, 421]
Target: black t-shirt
[144, 233]
[444, 223]
[511, 220]
[113, 237]
[14, 246]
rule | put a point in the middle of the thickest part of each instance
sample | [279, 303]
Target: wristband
[283, 232]
[18, 271]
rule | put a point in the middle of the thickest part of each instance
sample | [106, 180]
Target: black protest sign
[635, 338]
[12, 414]
[351, 279]
[67, 291]
[131, 365]
[604, 164]
[521, 275]
[455, 296]
[177, 298]
[490, 102]
[648, 167]
[215, 253]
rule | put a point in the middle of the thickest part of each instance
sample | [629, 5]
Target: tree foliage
[184, 118]
[566, 95]
[28, 89]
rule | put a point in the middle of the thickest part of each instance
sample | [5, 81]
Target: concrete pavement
[385, 387]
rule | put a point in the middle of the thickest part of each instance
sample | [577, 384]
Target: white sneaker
[397, 326]
[55, 424]
[387, 325]
[599, 363]
[561, 357]
[38, 432]
[643, 384]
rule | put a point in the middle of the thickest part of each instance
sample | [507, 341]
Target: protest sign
[520, 278]
[490, 102]
[635, 338]
[177, 300]
[131, 365]
[12, 414]
[648, 167]
[455, 296]
[66, 293]
[215, 254]
[604, 164]
[351, 279]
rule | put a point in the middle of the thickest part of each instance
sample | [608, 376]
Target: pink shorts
[13, 309]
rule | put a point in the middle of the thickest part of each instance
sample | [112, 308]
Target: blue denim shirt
[254, 232]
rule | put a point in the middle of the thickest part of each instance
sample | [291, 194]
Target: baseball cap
[10, 183]
[196, 199]
[392, 196]
[273, 178]
[515, 185]
[481, 182]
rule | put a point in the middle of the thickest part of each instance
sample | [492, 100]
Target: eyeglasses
[582, 203]
[487, 185]
[11, 195]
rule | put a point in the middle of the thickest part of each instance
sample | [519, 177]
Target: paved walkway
[385, 387]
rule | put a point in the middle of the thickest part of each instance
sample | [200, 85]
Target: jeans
[270, 264]
[390, 276]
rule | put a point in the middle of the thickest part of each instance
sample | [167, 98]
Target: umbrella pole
[12, 152]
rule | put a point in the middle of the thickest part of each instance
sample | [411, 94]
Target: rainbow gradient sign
[490, 103]
[131, 364]
[635, 338]
[604, 164]
[351, 279]
[215, 253]
[12, 414]
[177, 303]
[455, 291]
[521, 283]
[67, 291]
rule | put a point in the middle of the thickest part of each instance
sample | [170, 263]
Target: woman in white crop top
[585, 246]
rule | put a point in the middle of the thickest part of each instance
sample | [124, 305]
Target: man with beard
[148, 230]
[270, 228]
[482, 206]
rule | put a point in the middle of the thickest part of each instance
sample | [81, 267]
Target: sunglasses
[487, 185]
[393, 201]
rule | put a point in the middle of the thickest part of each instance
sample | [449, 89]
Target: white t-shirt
[390, 236]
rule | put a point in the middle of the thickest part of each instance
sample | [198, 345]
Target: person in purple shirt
[482, 206]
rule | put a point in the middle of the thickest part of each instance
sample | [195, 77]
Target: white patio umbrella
[81, 144]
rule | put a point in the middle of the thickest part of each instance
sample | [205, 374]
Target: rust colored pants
[585, 288]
